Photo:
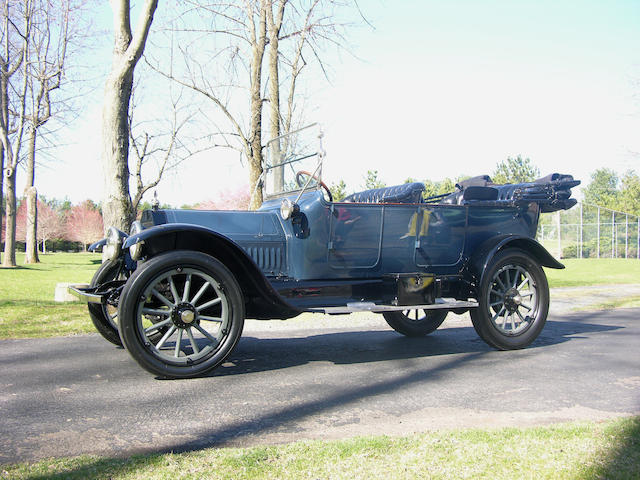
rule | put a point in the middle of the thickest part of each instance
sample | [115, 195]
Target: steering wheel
[300, 181]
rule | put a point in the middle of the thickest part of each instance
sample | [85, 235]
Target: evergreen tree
[515, 170]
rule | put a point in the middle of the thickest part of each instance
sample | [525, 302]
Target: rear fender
[481, 258]
[263, 301]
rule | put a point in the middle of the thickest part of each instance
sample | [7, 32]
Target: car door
[355, 235]
[440, 235]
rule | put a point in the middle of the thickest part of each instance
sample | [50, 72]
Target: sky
[436, 89]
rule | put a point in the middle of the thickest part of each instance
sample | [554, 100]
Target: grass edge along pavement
[584, 450]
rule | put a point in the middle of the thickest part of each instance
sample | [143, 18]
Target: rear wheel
[513, 301]
[415, 323]
[198, 302]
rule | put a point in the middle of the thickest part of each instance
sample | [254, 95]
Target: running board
[448, 303]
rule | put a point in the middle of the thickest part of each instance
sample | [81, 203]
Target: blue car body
[332, 254]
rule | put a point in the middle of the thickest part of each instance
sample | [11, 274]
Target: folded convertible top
[551, 192]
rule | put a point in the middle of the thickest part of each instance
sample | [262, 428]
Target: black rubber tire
[519, 263]
[99, 314]
[136, 294]
[425, 325]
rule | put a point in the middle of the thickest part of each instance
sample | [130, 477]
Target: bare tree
[244, 34]
[31, 200]
[307, 31]
[249, 23]
[35, 35]
[48, 51]
[16, 32]
[159, 145]
[117, 206]
[274, 23]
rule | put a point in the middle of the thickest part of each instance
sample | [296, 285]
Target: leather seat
[406, 193]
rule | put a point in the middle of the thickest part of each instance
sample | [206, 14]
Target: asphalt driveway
[74, 395]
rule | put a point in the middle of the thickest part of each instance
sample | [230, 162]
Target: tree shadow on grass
[91, 467]
[623, 460]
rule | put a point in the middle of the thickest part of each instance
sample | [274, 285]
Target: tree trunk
[4, 112]
[32, 214]
[10, 227]
[1, 187]
[32, 202]
[31, 158]
[4, 106]
[255, 171]
[255, 159]
[13, 154]
[274, 25]
[117, 209]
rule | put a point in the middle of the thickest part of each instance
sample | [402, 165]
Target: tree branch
[136, 47]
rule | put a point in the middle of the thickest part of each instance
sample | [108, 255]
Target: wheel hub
[184, 315]
[512, 299]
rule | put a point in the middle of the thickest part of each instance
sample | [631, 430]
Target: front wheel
[199, 303]
[513, 301]
[415, 323]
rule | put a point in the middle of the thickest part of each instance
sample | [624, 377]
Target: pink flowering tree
[84, 224]
[236, 198]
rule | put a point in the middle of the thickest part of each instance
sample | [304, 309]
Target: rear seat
[472, 194]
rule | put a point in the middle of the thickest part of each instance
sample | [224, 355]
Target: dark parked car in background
[176, 290]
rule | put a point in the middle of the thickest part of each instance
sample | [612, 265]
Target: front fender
[263, 301]
[483, 255]
[154, 234]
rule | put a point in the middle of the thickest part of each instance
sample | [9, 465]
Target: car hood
[227, 222]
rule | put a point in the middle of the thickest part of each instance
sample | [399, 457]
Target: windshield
[293, 161]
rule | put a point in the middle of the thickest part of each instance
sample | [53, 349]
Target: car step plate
[448, 303]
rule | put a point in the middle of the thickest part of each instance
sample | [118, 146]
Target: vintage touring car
[176, 290]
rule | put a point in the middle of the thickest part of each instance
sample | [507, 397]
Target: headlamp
[112, 249]
[288, 208]
[135, 250]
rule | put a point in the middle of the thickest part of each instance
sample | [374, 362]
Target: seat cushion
[406, 193]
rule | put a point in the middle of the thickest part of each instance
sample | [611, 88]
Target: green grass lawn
[594, 271]
[608, 450]
[27, 308]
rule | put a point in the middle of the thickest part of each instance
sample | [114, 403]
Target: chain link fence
[590, 231]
